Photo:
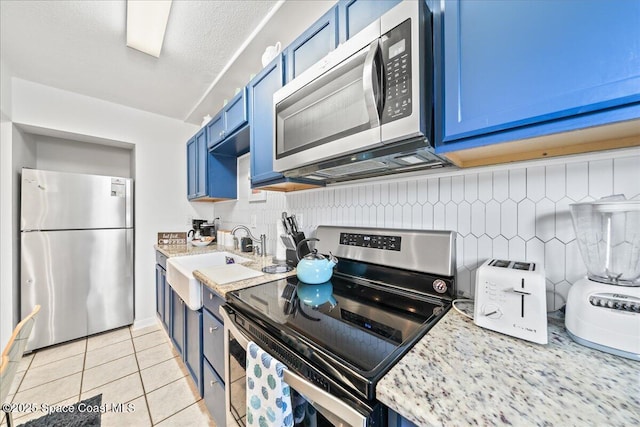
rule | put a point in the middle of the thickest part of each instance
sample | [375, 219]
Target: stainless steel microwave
[365, 109]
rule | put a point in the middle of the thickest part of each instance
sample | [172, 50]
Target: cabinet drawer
[212, 301]
[161, 259]
[214, 395]
[213, 341]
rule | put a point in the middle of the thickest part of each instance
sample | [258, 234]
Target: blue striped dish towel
[268, 396]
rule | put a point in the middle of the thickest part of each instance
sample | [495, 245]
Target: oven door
[327, 410]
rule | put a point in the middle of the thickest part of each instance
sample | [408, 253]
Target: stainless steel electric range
[339, 338]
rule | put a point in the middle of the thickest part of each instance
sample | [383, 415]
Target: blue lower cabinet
[193, 346]
[177, 322]
[166, 318]
[397, 420]
[214, 397]
[213, 341]
[160, 285]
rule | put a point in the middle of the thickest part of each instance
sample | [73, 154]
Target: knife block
[291, 257]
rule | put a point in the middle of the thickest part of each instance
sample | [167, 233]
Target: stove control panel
[616, 302]
[389, 243]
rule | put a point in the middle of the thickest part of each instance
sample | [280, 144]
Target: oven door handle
[326, 404]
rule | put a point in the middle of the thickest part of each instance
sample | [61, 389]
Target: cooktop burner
[388, 289]
[363, 327]
[360, 324]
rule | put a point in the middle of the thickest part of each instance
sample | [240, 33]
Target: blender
[603, 309]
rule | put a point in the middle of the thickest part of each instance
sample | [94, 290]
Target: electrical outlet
[300, 220]
[189, 221]
[254, 221]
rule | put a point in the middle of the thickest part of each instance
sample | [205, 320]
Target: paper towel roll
[281, 250]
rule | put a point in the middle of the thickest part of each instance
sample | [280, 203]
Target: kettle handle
[310, 239]
[190, 232]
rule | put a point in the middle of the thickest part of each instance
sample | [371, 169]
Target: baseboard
[145, 323]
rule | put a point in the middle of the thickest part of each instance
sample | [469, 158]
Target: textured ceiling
[80, 46]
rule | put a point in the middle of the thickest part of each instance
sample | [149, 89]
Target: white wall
[82, 157]
[6, 284]
[159, 168]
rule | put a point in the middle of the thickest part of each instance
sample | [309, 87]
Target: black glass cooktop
[365, 327]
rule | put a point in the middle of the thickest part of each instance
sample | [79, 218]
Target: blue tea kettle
[314, 268]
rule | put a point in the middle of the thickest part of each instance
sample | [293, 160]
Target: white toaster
[511, 298]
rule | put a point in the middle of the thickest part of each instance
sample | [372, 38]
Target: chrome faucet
[262, 249]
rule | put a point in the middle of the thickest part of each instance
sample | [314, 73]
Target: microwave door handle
[368, 72]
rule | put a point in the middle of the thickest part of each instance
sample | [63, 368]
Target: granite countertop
[461, 374]
[256, 263]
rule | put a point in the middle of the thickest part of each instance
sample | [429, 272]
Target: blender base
[605, 317]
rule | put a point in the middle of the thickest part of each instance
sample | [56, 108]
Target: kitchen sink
[180, 273]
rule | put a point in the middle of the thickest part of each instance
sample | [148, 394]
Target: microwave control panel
[396, 56]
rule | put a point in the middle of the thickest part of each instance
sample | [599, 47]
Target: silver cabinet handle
[212, 383]
[210, 295]
[212, 328]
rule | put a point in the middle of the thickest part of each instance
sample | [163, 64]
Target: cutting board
[223, 274]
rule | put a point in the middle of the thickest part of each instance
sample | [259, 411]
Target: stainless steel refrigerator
[76, 254]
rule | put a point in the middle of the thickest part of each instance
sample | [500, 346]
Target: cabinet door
[213, 342]
[354, 15]
[201, 170]
[397, 420]
[215, 130]
[166, 318]
[510, 64]
[193, 345]
[160, 284]
[191, 168]
[177, 322]
[214, 397]
[314, 44]
[235, 112]
[261, 90]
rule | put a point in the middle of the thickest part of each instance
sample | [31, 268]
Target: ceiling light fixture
[146, 24]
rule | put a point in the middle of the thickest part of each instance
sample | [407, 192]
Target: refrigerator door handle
[128, 215]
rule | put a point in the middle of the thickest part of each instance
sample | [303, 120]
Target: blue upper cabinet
[197, 165]
[229, 120]
[357, 14]
[261, 89]
[520, 69]
[236, 112]
[201, 170]
[312, 45]
[192, 166]
[215, 130]
[210, 176]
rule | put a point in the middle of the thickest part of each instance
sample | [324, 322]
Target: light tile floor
[137, 367]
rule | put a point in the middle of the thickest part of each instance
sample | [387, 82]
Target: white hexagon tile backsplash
[520, 212]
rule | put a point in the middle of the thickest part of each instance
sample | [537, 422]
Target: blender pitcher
[608, 235]
[603, 309]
